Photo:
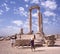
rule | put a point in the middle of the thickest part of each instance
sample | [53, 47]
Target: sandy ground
[5, 48]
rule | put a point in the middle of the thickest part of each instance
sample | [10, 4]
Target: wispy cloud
[1, 12]
[26, 0]
[5, 5]
[49, 13]
[35, 1]
[27, 5]
[12, 2]
[7, 8]
[49, 4]
[34, 15]
[18, 22]
[47, 21]
[21, 11]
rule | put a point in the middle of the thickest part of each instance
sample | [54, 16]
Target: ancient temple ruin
[40, 24]
[39, 37]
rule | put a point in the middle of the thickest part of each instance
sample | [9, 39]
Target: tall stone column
[38, 12]
[41, 24]
[39, 21]
[30, 20]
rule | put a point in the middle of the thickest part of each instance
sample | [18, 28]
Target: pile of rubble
[50, 40]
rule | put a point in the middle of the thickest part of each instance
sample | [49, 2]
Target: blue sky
[14, 15]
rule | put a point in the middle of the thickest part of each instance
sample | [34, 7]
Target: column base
[30, 33]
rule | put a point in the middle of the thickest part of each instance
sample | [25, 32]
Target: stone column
[30, 20]
[21, 31]
[38, 12]
[41, 24]
[39, 21]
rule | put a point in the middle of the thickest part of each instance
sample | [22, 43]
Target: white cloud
[12, 27]
[47, 21]
[1, 11]
[12, 2]
[18, 22]
[50, 22]
[49, 13]
[20, 11]
[26, 5]
[24, 25]
[49, 4]
[26, 0]
[6, 6]
[35, 1]
[34, 15]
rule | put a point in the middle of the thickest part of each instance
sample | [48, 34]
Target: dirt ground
[5, 48]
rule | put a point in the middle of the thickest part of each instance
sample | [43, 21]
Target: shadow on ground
[54, 46]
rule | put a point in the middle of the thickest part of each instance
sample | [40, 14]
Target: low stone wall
[22, 42]
[27, 36]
